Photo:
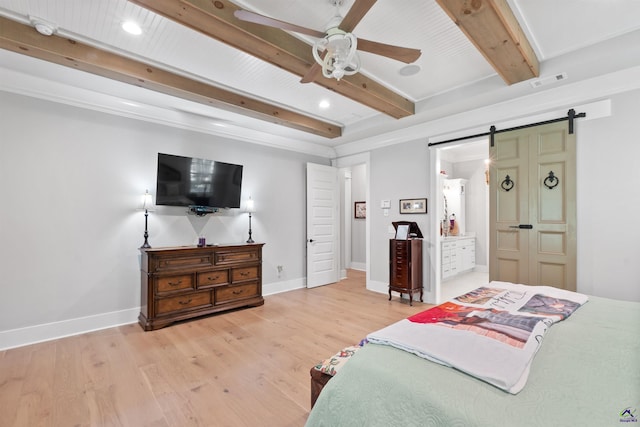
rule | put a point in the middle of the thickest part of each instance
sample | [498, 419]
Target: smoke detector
[43, 27]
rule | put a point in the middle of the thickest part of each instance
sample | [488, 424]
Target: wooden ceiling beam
[25, 40]
[215, 19]
[492, 27]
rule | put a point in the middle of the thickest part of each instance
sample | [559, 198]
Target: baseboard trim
[360, 266]
[380, 287]
[284, 286]
[55, 330]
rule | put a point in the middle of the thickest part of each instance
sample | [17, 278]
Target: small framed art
[360, 210]
[413, 206]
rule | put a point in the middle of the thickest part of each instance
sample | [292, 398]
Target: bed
[587, 373]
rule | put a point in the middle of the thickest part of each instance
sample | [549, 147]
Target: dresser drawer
[244, 273]
[174, 283]
[183, 302]
[227, 294]
[211, 278]
[233, 257]
[183, 262]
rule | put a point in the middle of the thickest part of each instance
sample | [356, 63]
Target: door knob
[310, 240]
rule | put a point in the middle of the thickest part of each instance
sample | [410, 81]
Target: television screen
[187, 181]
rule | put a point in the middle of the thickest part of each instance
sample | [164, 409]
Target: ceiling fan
[335, 50]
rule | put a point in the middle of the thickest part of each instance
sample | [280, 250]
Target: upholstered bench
[324, 371]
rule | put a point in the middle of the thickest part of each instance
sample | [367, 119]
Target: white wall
[397, 172]
[608, 201]
[71, 180]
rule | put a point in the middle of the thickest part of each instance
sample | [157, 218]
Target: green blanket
[587, 373]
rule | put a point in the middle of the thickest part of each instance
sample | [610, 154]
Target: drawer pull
[213, 278]
[178, 283]
[237, 292]
[185, 302]
[244, 273]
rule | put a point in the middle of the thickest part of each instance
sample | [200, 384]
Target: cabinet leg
[421, 295]
[410, 299]
[389, 294]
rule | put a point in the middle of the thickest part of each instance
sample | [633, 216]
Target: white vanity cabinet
[458, 255]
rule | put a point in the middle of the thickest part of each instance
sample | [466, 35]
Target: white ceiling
[453, 75]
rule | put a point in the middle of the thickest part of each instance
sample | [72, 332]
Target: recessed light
[409, 70]
[132, 28]
[324, 104]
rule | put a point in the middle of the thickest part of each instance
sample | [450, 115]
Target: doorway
[354, 169]
[452, 163]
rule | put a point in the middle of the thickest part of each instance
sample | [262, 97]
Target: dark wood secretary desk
[405, 260]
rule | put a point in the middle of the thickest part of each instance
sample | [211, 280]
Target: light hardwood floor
[248, 367]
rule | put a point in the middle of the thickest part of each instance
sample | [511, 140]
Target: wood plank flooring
[248, 367]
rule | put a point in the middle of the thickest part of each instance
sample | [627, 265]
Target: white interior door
[322, 225]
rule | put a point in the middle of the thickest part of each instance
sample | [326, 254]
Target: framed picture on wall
[413, 206]
[360, 210]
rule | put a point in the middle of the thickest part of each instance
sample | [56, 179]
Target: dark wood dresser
[405, 267]
[185, 282]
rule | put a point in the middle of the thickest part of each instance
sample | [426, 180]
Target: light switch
[385, 204]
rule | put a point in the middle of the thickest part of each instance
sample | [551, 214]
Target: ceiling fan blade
[402, 54]
[311, 75]
[355, 14]
[245, 15]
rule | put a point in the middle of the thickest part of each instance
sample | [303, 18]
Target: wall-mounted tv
[188, 181]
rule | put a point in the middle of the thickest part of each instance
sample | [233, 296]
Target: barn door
[533, 207]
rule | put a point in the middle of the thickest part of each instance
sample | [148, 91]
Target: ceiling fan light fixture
[340, 58]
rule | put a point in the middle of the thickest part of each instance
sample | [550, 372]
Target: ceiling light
[340, 57]
[409, 70]
[324, 104]
[132, 28]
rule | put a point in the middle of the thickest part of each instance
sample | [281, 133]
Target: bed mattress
[587, 373]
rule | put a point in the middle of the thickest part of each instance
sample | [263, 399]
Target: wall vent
[548, 80]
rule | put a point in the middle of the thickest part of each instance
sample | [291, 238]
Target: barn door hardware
[507, 183]
[571, 117]
[551, 181]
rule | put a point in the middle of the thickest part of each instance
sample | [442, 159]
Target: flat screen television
[193, 182]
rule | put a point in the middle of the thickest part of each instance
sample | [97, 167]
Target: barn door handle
[551, 181]
[507, 183]
[310, 240]
[522, 226]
